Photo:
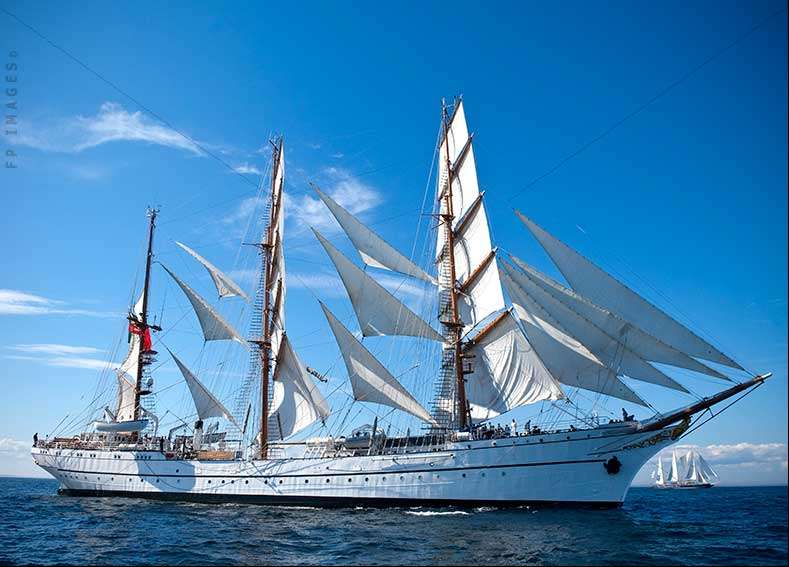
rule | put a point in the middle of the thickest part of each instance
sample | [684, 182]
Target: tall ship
[688, 470]
[491, 334]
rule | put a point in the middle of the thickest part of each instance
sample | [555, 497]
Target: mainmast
[141, 324]
[268, 266]
[454, 325]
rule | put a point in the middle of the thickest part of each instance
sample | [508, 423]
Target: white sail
[673, 475]
[225, 286]
[690, 461]
[507, 373]
[706, 474]
[378, 311]
[125, 405]
[660, 480]
[297, 402]
[569, 361]
[373, 249]
[465, 187]
[206, 404]
[214, 327]
[476, 272]
[608, 292]
[278, 292]
[370, 380]
[640, 342]
[614, 354]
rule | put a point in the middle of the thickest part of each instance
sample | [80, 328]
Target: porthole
[383, 479]
[328, 480]
[223, 482]
[419, 477]
[542, 440]
[483, 475]
[247, 482]
[209, 482]
[503, 473]
[306, 481]
[402, 478]
[176, 470]
[350, 480]
[178, 480]
[463, 475]
[366, 479]
[568, 437]
[157, 480]
[280, 482]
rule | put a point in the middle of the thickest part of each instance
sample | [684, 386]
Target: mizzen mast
[139, 326]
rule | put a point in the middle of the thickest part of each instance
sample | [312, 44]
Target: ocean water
[721, 526]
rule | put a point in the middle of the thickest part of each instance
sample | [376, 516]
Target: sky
[650, 136]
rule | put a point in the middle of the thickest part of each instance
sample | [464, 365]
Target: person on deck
[514, 427]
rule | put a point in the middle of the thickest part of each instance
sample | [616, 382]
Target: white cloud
[349, 192]
[15, 302]
[15, 459]
[55, 349]
[112, 123]
[338, 155]
[246, 167]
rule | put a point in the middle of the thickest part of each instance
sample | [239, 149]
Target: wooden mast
[267, 249]
[455, 325]
[142, 324]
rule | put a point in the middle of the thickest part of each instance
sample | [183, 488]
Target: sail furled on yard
[629, 336]
[225, 286]
[378, 311]
[607, 292]
[476, 272]
[206, 404]
[297, 402]
[214, 327]
[507, 372]
[614, 354]
[370, 380]
[373, 249]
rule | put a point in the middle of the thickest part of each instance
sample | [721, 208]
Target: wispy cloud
[64, 356]
[112, 123]
[245, 168]
[15, 459]
[338, 155]
[349, 192]
[54, 349]
[15, 302]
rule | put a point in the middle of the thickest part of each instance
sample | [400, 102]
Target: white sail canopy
[661, 477]
[370, 380]
[614, 354]
[706, 474]
[673, 475]
[606, 291]
[569, 361]
[638, 341]
[378, 311]
[373, 249]
[507, 372]
[476, 272]
[276, 266]
[225, 286]
[215, 328]
[297, 401]
[206, 404]
[125, 407]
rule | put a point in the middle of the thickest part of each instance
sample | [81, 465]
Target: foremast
[269, 267]
[138, 322]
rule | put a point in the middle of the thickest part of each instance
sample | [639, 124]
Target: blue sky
[686, 200]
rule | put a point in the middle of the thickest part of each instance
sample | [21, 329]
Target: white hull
[562, 468]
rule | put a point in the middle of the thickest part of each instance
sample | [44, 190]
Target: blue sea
[720, 526]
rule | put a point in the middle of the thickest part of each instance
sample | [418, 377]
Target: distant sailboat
[687, 471]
